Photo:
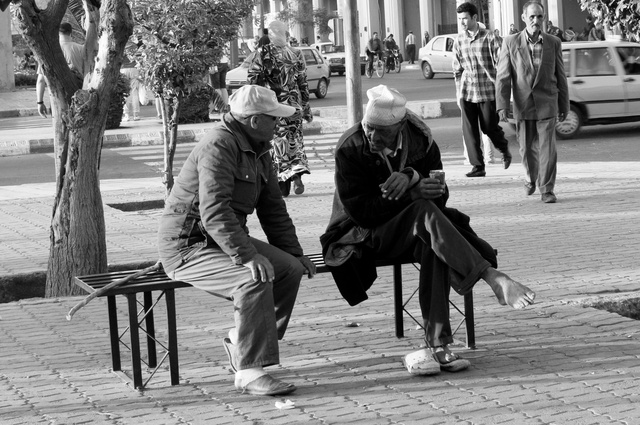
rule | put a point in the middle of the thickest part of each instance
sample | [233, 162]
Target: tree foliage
[175, 44]
[622, 13]
[302, 12]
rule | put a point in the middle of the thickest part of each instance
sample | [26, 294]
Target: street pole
[352, 56]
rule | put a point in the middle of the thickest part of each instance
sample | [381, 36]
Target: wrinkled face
[533, 17]
[468, 22]
[381, 136]
[264, 127]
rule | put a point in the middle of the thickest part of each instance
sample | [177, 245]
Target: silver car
[437, 56]
[604, 84]
[318, 74]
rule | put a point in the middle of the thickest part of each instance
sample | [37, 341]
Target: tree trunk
[170, 135]
[77, 237]
[78, 243]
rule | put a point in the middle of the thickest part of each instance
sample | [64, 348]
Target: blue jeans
[261, 310]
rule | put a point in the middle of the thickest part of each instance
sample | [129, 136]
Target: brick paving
[554, 363]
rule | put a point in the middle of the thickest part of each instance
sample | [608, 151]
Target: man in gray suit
[531, 63]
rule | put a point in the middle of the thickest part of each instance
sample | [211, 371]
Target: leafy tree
[77, 234]
[302, 12]
[622, 13]
[177, 43]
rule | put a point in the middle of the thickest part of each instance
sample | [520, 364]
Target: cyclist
[374, 47]
[390, 46]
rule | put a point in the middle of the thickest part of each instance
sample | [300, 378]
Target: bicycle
[379, 68]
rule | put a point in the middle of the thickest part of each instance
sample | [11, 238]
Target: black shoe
[285, 188]
[529, 188]
[506, 158]
[477, 172]
[549, 198]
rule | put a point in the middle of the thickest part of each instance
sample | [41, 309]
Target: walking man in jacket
[531, 66]
[387, 207]
[203, 237]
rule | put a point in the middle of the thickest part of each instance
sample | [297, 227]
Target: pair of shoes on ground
[427, 362]
[264, 385]
[546, 197]
[127, 118]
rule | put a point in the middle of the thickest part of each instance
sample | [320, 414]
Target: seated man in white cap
[203, 237]
[387, 207]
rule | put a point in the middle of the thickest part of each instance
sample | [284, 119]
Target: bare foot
[508, 291]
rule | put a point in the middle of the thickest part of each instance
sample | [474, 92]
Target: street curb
[327, 121]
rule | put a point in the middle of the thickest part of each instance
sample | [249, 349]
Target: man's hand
[428, 188]
[395, 186]
[261, 269]
[311, 268]
[502, 113]
[42, 110]
[562, 116]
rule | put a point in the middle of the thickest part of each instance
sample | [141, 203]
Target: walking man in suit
[531, 64]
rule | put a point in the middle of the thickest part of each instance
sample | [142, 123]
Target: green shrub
[195, 107]
[24, 79]
[116, 106]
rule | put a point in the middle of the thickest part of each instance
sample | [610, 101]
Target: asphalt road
[596, 143]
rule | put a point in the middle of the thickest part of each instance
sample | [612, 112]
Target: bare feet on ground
[508, 291]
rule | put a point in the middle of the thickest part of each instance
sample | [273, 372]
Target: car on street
[336, 57]
[437, 56]
[604, 84]
[318, 74]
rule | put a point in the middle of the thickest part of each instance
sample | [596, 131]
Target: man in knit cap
[387, 207]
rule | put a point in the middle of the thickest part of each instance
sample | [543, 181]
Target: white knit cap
[386, 106]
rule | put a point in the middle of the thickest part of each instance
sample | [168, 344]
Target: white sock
[246, 376]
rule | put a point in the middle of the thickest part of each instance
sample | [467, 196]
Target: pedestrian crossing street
[319, 149]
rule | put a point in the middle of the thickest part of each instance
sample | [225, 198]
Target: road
[597, 143]
[410, 82]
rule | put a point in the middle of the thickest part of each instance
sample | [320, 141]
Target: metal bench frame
[141, 315]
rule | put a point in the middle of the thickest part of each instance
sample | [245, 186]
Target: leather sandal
[266, 385]
[450, 362]
[229, 348]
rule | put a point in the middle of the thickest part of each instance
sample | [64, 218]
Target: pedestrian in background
[512, 29]
[540, 97]
[476, 52]
[410, 47]
[219, 82]
[131, 109]
[425, 38]
[596, 33]
[282, 69]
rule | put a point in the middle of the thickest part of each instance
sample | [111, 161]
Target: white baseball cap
[253, 100]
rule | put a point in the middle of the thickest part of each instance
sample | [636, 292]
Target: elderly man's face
[381, 136]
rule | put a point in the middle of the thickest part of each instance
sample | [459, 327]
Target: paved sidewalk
[554, 363]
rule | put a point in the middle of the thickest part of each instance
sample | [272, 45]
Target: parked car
[318, 74]
[604, 84]
[437, 56]
[336, 57]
